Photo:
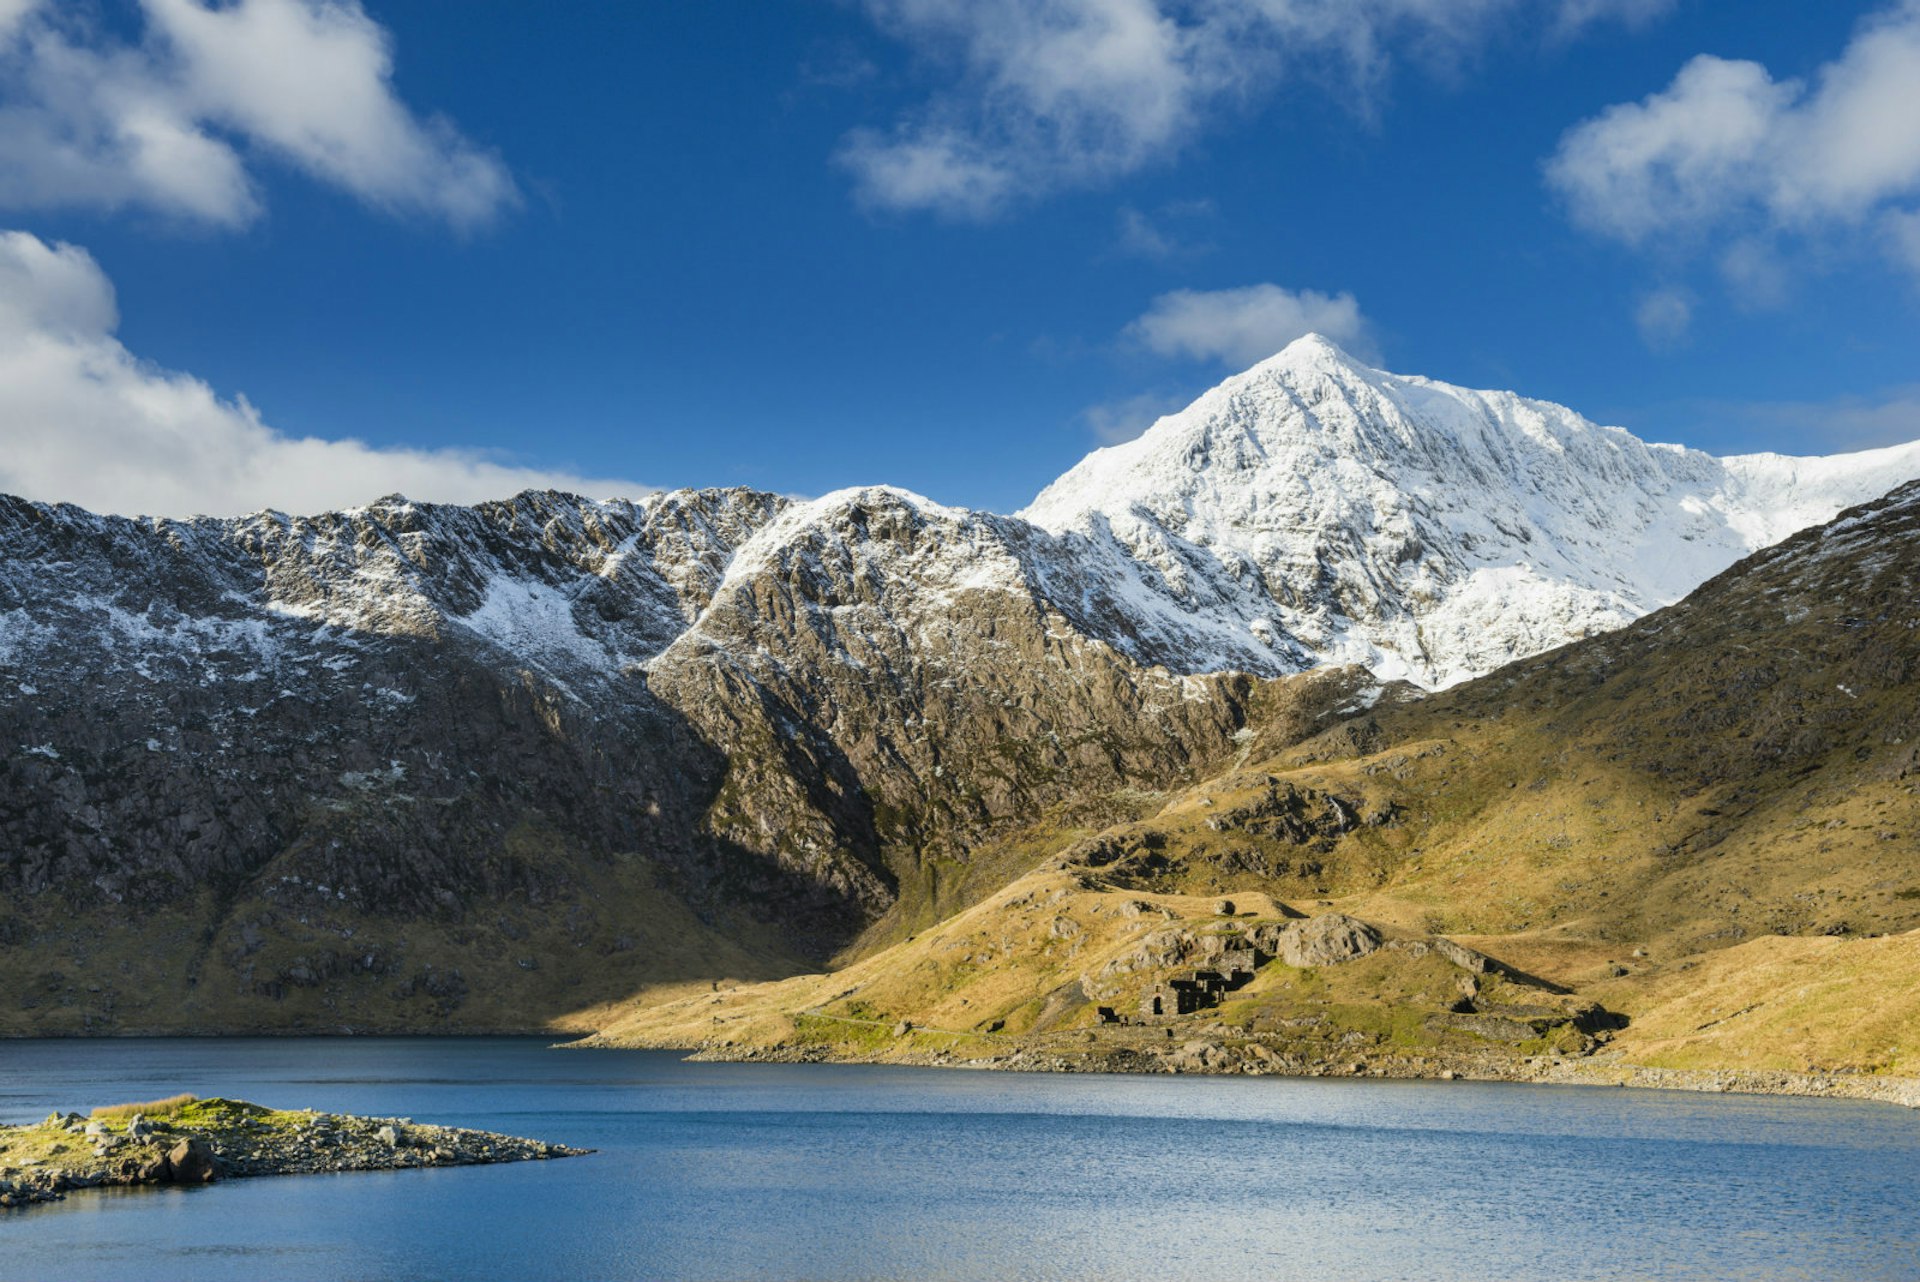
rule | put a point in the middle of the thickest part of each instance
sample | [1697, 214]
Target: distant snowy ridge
[1310, 511]
[1314, 510]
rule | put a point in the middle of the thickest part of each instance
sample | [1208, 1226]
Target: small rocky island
[185, 1140]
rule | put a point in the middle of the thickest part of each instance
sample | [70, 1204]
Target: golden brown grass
[1779, 1002]
[152, 1108]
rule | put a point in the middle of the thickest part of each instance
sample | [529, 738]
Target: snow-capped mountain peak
[1315, 504]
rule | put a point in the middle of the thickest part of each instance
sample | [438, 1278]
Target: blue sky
[801, 244]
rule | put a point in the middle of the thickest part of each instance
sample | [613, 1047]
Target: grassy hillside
[1706, 824]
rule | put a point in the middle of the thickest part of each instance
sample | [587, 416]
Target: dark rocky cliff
[416, 766]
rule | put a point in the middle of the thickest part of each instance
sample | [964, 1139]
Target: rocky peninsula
[185, 1140]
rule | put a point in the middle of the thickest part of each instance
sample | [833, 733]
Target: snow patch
[535, 622]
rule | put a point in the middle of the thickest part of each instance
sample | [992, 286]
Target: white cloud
[1674, 159]
[935, 170]
[1664, 317]
[83, 420]
[1854, 423]
[1244, 326]
[1122, 420]
[13, 13]
[1047, 94]
[1726, 145]
[173, 122]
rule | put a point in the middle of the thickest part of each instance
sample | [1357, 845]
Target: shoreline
[1190, 1057]
[1193, 1058]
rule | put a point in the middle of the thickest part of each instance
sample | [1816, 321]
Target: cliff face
[411, 765]
[898, 671]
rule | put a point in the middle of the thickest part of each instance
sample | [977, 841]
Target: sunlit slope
[1705, 822]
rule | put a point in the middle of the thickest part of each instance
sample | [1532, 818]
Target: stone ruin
[1215, 961]
[1199, 989]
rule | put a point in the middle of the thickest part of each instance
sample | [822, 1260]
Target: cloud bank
[1241, 327]
[1726, 149]
[174, 123]
[1039, 95]
[1122, 420]
[88, 422]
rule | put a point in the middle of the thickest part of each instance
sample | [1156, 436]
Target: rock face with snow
[899, 668]
[363, 766]
[1313, 510]
[374, 766]
[426, 766]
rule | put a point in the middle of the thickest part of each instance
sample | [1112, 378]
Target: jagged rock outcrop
[899, 671]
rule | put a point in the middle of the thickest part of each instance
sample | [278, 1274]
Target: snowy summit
[1321, 511]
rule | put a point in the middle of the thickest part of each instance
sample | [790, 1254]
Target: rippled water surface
[709, 1171]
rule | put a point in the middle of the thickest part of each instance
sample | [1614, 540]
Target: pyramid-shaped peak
[1313, 351]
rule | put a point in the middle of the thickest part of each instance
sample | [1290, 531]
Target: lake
[839, 1172]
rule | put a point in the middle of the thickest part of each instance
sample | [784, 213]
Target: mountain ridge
[1310, 510]
[416, 765]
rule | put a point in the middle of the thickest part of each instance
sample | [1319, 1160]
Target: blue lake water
[709, 1171]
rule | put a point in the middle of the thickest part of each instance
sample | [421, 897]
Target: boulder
[191, 1161]
[139, 1127]
[1327, 940]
